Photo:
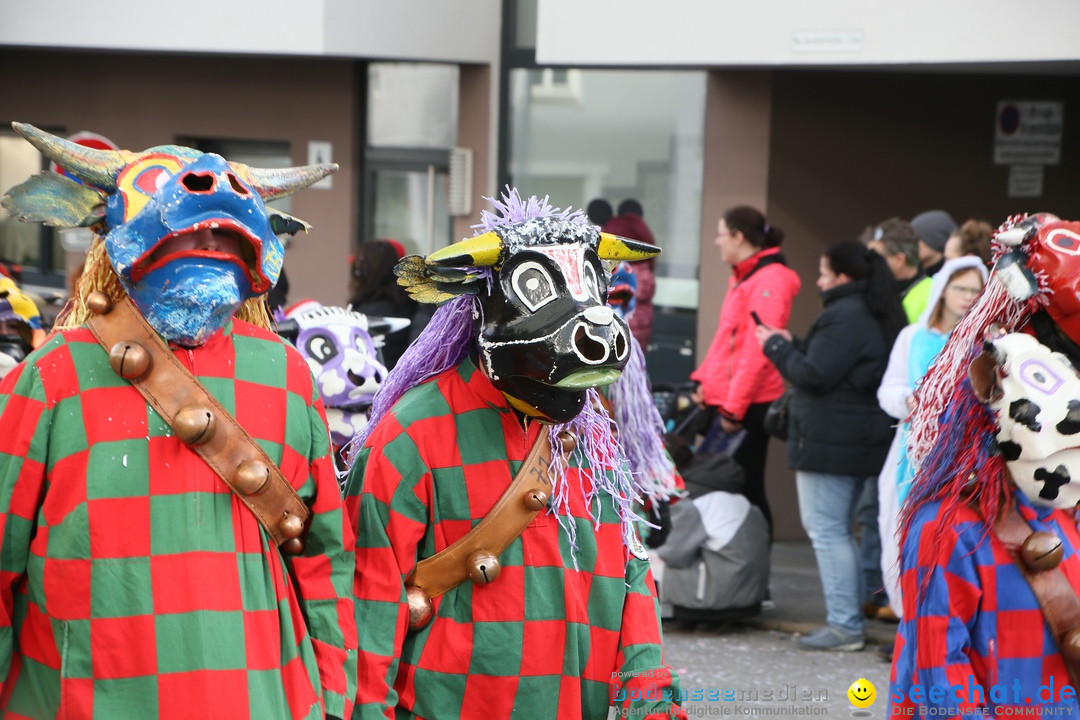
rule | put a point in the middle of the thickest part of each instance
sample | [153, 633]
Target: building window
[556, 85]
[36, 249]
[636, 134]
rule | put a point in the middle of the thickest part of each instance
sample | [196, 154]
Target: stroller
[716, 556]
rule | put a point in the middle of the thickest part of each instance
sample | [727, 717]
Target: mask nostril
[237, 186]
[590, 348]
[198, 182]
[620, 346]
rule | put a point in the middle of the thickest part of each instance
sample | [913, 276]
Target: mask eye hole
[322, 348]
[533, 284]
[593, 284]
[1040, 376]
[362, 342]
[1064, 241]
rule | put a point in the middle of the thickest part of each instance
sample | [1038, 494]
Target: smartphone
[757, 320]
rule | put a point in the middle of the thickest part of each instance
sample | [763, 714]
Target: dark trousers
[750, 455]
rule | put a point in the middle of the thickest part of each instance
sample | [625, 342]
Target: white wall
[436, 30]
[797, 32]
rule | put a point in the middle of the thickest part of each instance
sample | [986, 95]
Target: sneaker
[767, 604]
[831, 638]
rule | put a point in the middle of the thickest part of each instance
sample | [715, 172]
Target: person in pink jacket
[736, 382]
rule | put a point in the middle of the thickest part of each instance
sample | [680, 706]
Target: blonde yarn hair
[98, 274]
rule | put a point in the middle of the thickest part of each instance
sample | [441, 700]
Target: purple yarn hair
[608, 470]
[641, 428]
[440, 346]
[512, 209]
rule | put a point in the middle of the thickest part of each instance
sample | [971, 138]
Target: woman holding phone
[838, 436]
[736, 383]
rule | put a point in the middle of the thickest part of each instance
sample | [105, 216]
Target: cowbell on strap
[139, 355]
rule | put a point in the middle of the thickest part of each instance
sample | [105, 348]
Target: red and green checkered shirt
[561, 633]
[133, 582]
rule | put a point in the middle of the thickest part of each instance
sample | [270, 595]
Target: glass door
[408, 198]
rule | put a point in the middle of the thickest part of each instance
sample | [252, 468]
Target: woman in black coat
[838, 436]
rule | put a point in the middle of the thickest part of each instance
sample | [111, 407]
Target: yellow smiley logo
[862, 693]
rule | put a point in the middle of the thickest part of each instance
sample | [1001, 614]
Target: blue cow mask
[187, 232]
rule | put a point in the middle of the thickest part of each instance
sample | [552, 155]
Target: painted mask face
[545, 332]
[187, 232]
[622, 290]
[344, 360]
[1055, 254]
[1037, 402]
[191, 241]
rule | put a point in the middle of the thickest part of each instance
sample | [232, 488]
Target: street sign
[1028, 132]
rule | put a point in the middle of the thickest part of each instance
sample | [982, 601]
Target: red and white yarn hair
[1002, 302]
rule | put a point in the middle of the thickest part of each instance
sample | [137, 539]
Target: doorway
[408, 198]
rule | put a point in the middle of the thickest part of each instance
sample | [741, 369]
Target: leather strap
[1057, 598]
[137, 353]
[526, 496]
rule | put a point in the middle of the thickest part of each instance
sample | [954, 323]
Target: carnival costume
[989, 563]
[563, 622]
[342, 348]
[136, 583]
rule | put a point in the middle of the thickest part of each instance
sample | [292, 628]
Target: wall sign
[1028, 132]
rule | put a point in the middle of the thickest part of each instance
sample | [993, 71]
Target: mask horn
[613, 247]
[274, 183]
[480, 251]
[96, 167]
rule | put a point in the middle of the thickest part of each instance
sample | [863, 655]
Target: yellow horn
[613, 247]
[480, 251]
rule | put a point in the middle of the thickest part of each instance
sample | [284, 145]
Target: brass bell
[194, 425]
[129, 360]
[1041, 551]
[291, 526]
[568, 442]
[292, 546]
[252, 477]
[420, 608]
[483, 567]
[1070, 644]
[99, 303]
[535, 500]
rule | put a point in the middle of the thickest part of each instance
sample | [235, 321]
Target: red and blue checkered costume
[561, 633]
[971, 618]
[133, 582]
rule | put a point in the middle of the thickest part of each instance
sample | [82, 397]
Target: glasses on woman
[964, 290]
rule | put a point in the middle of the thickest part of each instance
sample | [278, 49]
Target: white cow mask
[1035, 394]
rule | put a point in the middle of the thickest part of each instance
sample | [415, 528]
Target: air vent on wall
[461, 181]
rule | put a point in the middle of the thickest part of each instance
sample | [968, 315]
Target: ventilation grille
[461, 181]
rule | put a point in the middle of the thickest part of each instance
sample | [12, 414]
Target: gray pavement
[758, 667]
